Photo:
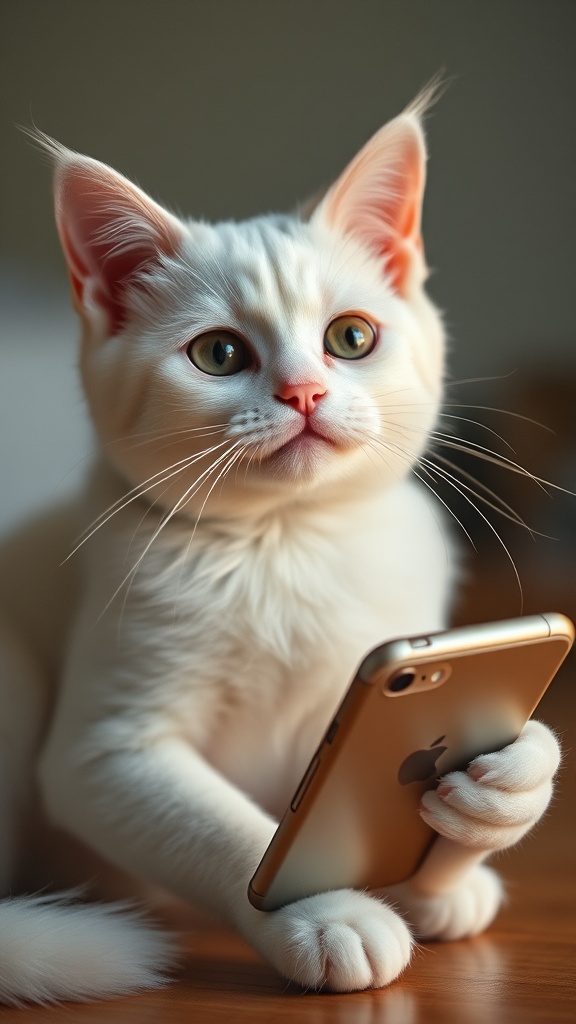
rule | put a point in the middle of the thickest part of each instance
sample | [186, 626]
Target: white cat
[262, 393]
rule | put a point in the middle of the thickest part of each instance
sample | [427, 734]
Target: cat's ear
[110, 231]
[378, 199]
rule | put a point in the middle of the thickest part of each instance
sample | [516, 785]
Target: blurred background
[229, 108]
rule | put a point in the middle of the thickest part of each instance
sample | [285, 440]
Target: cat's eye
[219, 353]
[349, 337]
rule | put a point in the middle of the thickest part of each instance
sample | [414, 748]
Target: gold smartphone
[417, 708]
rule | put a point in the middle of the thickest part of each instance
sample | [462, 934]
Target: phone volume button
[302, 788]
[332, 730]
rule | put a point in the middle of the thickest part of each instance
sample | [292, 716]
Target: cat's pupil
[354, 337]
[222, 352]
[349, 337]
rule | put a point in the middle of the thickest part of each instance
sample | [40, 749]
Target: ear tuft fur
[109, 228]
[428, 96]
[378, 198]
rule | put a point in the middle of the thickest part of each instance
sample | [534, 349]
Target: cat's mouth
[302, 454]
[304, 440]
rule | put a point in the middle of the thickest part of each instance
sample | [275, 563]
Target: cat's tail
[55, 948]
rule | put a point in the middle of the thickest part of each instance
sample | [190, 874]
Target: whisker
[181, 503]
[179, 439]
[256, 451]
[450, 480]
[153, 435]
[487, 455]
[128, 437]
[502, 507]
[372, 446]
[233, 457]
[439, 498]
[498, 505]
[398, 410]
[375, 449]
[461, 489]
[184, 499]
[476, 423]
[407, 458]
[160, 436]
[190, 493]
[503, 412]
[478, 380]
[407, 408]
[152, 505]
[137, 492]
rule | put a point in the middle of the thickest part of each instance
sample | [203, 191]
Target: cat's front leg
[488, 808]
[151, 804]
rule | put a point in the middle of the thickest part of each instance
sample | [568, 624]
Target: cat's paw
[455, 914]
[342, 941]
[501, 795]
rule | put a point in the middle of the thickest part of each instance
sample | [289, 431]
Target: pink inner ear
[110, 230]
[378, 198]
[406, 244]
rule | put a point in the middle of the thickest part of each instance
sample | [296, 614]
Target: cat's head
[264, 359]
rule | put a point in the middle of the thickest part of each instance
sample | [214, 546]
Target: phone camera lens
[402, 681]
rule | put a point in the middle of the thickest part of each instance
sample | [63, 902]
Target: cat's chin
[306, 457]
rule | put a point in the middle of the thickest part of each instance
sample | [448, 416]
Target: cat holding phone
[175, 640]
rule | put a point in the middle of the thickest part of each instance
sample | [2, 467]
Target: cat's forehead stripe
[277, 272]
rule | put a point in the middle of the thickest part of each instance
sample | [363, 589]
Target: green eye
[349, 337]
[219, 353]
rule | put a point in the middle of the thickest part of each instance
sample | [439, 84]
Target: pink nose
[302, 397]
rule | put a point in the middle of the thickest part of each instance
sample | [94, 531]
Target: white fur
[164, 688]
[500, 797]
[456, 913]
[54, 949]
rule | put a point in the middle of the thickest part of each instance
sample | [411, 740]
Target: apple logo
[421, 765]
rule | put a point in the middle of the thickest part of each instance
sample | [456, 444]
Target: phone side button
[332, 730]
[312, 768]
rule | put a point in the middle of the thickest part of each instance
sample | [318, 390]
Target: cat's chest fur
[258, 626]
